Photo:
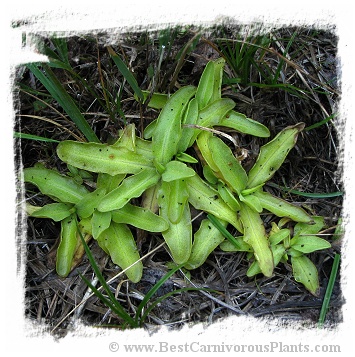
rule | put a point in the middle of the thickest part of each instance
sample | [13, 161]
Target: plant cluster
[158, 173]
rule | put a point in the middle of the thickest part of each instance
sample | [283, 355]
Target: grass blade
[329, 291]
[112, 303]
[34, 137]
[165, 296]
[153, 290]
[307, 194]
[281, 63]
[108, 302]
[316, 125]
[223, 230]
[127, 74]
[54, 87]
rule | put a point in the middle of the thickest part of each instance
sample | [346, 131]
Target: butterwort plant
[150, 183]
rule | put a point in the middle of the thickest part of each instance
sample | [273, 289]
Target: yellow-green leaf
[272, 155]
[309, 244]
[255, 235]
[305, 272]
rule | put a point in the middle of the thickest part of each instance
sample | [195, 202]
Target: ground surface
[305, 89]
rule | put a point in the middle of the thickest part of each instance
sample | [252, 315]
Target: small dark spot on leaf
[111, 156]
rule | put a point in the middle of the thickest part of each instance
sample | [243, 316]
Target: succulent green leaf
[177, 199]
[176, 170]
[67, 246]
[277, 252]
[228, 197]
[102, 158]
[150, 198]
[209, 86]
[85, 226]
[149, 129]
[139, 217]
[119, 242]
[218, 76]
[127, 138]
[156, 101]
[202, 142]
[86, 207]
[205, 86]
[248, 191]
[100, 221]
[305, 272]
[190, 118]
[203, 197]
[282, 208]
[167, 133]
[228, 246]
[229, 167]
[209, 175]
[52, 184]
[131, 187]
[294, 253]
[206, 239]
[109, 182]
[309, 228]
[255, 235]
[178, 236]
[252, 201]
[213, 113]
[144, 148]
[273, 154]
[309, 244]
[279, 236]
[55, 211]
[183, 157]
[242, 124]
